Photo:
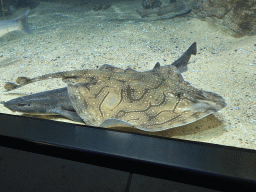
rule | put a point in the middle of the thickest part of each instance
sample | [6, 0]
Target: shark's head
[26, 105]
[39, 103]
[53, 102]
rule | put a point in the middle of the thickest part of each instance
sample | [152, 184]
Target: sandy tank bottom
[69, 37]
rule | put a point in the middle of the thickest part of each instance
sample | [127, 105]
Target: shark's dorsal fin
[107, 67]
[157, 66]
[182, 62]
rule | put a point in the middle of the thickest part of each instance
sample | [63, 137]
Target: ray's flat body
[153, 100]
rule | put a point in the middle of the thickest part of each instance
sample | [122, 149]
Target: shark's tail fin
[23, 19]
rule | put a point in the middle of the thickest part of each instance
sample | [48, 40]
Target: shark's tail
[23, 20]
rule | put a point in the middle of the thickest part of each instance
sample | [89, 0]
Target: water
[70, 37]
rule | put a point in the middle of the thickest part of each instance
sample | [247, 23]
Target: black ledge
[199, 164]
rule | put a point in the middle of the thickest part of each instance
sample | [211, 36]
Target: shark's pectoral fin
[72, 115]
[115, 123]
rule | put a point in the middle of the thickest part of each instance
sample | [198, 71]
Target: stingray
[153, 100]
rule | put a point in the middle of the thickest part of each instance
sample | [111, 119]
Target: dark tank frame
[199, 164]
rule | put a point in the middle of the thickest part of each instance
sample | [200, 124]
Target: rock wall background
[236, 17]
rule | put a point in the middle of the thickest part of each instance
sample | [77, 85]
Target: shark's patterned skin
[153, 100]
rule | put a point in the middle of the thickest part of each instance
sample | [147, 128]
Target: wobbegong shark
[153, 100]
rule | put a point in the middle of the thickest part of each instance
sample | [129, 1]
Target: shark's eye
[179, 94]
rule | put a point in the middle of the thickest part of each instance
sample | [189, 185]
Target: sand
[70, 37]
